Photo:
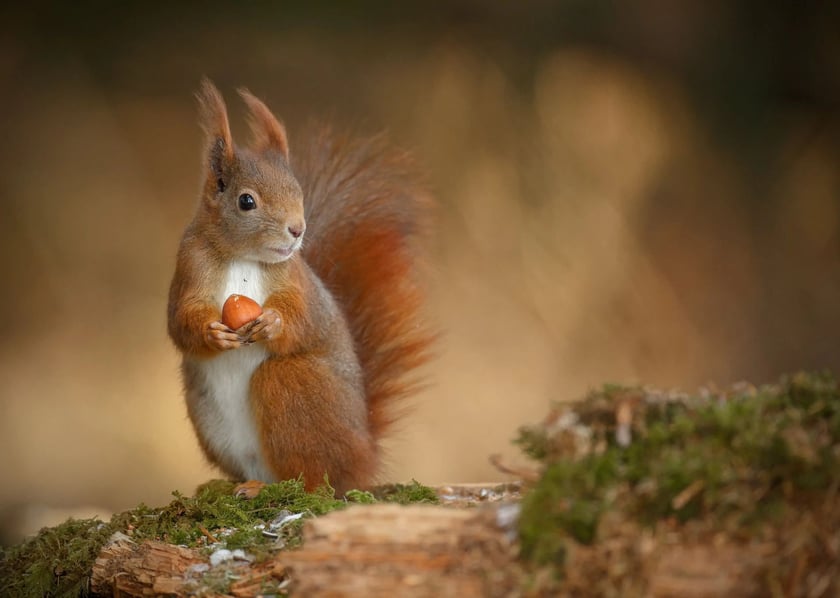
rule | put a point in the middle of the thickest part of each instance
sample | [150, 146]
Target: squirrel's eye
[246, 202]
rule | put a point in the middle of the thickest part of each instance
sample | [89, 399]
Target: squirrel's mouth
[284, 253]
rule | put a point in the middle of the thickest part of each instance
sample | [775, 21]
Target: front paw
[221, 338]
[265, 328]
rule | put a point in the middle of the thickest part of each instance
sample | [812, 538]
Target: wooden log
[418, 551]
[125, 568]
[372, 550]
[404, 551]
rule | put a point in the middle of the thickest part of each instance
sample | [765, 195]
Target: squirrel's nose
[296, 230]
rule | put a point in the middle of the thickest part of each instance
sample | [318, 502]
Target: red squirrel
[327, 239]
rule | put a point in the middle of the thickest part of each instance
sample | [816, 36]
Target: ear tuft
[214, 120]
[268, 131]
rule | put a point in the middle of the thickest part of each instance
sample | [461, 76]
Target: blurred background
[639, 192]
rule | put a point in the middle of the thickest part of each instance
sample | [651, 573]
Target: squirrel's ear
[268, 131]
[214, 120]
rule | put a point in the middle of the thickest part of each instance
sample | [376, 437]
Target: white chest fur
[244, 278]
[227, 420]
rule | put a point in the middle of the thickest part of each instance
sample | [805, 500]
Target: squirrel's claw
[248, 489]
[222, 338]
[244, 331]
[267, 327]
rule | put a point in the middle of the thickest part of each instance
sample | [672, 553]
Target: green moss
[58, 560]
[215, 511]
[405, 494]
[54, 563]
[361, 497]
[738, 459]
[290, 495]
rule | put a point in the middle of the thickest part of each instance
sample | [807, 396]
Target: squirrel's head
[251, 205]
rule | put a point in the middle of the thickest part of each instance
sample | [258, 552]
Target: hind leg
[312, 423]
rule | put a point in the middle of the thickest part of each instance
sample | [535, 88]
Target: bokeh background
[642, 192]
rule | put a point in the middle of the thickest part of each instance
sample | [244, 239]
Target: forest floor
[631, 492]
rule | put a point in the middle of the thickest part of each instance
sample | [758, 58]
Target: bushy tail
[367, 215]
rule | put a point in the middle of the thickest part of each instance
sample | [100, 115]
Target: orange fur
[368, 216]
[268, 131]
[341, 327]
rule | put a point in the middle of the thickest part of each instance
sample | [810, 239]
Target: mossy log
[417, 551]
[723, 493]
[374, 550]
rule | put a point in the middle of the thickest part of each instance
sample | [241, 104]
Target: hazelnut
[238, 310]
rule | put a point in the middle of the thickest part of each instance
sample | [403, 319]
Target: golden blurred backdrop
[636, 193]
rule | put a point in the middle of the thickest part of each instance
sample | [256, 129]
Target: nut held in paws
[238, 310]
